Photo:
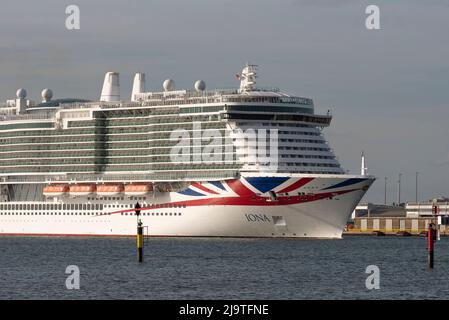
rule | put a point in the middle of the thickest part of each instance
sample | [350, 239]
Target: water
[34, 268]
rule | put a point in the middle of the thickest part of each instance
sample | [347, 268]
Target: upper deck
[261, 101]
[248, 95]
[109, 139]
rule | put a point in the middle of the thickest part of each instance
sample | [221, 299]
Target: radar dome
[46, 94]
[200, 85]
[169, 85]
[21, 93]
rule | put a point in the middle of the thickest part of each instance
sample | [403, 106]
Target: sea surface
[35, 268]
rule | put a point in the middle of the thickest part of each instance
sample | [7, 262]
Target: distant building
[413, 218]
[379, 210]
[426, 209]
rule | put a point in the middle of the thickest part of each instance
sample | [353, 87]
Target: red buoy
[431, 235]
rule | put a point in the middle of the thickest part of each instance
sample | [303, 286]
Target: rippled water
[34, 268]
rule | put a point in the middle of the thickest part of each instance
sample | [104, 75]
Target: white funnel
[111, 87]
[138, 85]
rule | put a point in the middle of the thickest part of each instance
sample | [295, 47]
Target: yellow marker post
[139, 234]
[140, 241]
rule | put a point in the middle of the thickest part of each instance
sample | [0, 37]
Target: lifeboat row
[108, 189]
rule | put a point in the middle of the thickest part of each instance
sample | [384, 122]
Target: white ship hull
[289, 206]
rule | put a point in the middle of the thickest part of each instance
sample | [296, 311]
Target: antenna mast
[248, 78]
[363, 168]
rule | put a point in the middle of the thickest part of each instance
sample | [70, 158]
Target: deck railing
[99, 178]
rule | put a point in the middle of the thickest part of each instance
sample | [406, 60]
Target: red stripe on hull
[203, 188]
[64, 235]
[296, 185]
[250, 201]
[238, 187]
[50, 235]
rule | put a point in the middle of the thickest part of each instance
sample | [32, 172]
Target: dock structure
[409, 219]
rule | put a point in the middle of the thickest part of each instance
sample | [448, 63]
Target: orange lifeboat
[138, 189]
[54, 190]
[82, 189]
[110, 189]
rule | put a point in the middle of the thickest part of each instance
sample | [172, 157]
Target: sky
[388, 89]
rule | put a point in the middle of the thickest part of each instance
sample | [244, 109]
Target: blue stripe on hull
[190, 192]
[264, 184]
[217, 184]
[346, 183]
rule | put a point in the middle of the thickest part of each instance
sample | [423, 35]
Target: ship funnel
[111, 87]
[138, 85]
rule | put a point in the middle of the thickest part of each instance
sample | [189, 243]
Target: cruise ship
[243, 162]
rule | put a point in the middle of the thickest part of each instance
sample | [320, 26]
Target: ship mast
[363, 169]
[248, 78]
